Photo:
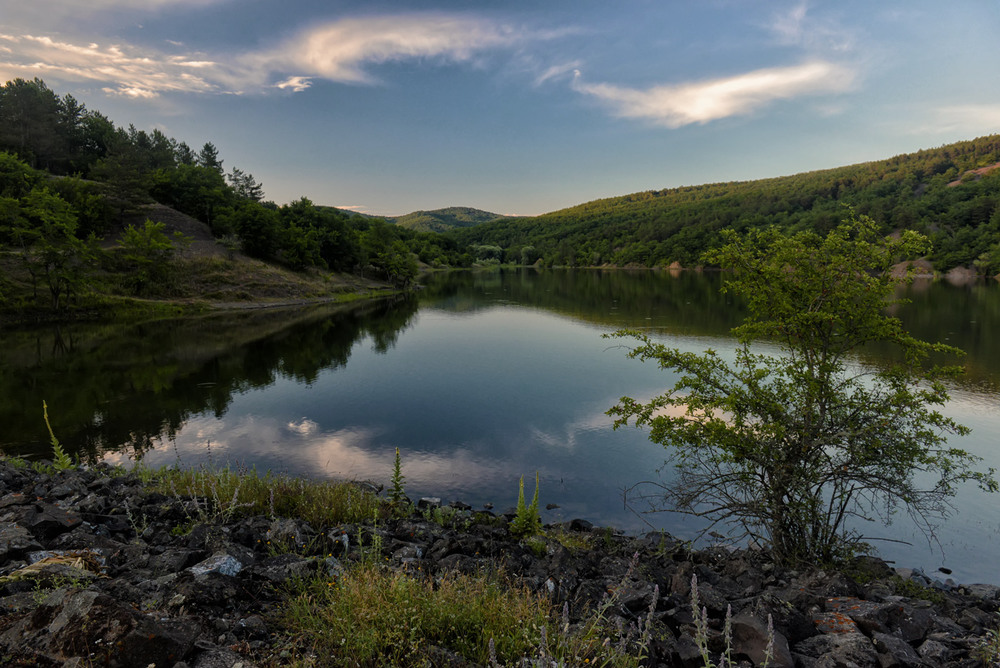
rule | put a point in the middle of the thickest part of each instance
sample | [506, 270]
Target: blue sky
[519, 107]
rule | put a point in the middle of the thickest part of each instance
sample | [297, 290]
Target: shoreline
[109, 566]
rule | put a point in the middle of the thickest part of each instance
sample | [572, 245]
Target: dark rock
[894, 651]
[751, 638]
[429, 503]
[839, 650]
[15, 540]
[48, 521]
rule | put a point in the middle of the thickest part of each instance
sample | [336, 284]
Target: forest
[951, 194]
[70, 177]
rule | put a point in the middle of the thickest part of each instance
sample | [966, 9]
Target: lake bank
[99, 566]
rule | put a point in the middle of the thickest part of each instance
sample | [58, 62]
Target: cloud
[677, 105]
[557, 71]
[341, 50]
[124, 70]
[801, 27]
[295, 84]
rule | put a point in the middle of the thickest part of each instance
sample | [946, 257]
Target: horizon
[392, 107]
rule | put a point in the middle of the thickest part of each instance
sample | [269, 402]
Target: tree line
[949, 194]
[108, 173]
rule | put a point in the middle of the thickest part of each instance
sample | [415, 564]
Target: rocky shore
[97, 570]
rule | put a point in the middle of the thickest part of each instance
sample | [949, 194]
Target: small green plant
[397, 495]
[527, 522]
[60, 460]
[988, 649]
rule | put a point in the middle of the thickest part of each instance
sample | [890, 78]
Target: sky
[519, 107]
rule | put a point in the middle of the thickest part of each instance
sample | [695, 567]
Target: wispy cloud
[123, 70]
[557, 71]
[341, 51]
[799, 26]
[677, 105]
[345, 49]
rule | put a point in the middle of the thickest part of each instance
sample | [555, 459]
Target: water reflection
[483, 378]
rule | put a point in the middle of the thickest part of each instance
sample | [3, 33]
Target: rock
[894, 651]
[48, 521]
[429, 503]
[223, 564]
[751, 638]
[15, 540]
[285, 532]
[839, 650]
[71, 624]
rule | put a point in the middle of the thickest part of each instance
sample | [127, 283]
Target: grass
[224, 494]
[376, 617]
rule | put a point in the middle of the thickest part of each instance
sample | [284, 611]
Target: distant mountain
[442, 220]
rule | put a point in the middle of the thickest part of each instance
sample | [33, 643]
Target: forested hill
[442, 220]
[951, 193]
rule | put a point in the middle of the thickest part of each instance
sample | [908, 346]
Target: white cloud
[295, 84]
[557, 71]
[339, 51]
[700, 102]
[124, 70]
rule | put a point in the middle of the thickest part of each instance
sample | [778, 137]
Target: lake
[479, 379]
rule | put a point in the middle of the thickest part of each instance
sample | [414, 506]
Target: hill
[949, 193]
[443, 220]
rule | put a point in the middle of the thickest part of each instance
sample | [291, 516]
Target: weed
[537, 546]
[571, 540]
[60, 460]
[527, 522]
[397, 495]
[372, 616]
[906, 587]
[700, 615]
[988, 649]
[225, 494]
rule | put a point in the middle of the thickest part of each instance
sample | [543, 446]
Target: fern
[60, 460]
[397, 495]
[527, 522]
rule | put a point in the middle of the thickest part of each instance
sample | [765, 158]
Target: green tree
[208, 157]
[796, 447]
[146, 256]
[45, 232]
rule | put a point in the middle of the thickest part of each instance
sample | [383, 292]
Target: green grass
[227, 493]
[376, 617]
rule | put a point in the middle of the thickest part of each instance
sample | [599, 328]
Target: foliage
[795, 447]
[372, 617]
[527, 522]
[60, 460]
[397, 495]
[919, 191]
[43, 227]
[988, 649]
[227, 493]
[146, 255]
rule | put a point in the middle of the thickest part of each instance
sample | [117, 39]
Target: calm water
[480, 379]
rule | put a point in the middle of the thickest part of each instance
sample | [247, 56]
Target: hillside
[443, 220]
[949, 193]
